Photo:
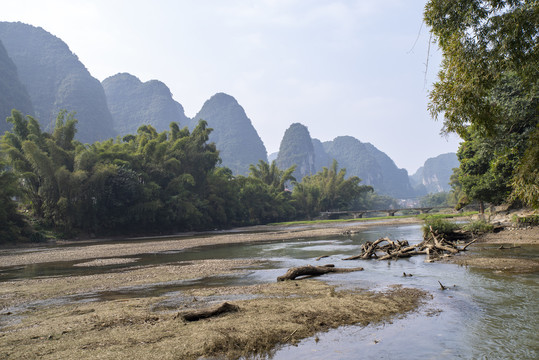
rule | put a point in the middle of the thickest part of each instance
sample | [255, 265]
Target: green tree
[327, 190]
[526, 180]
[481, 41]
[488, 163]
[487, 91]
[12, 225]
[435, 199]
[271, 175]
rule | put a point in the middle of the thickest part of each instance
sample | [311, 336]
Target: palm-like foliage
[271, 175]
[327, 190]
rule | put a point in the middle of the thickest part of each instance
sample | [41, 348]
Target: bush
[523, 221]
[479, 226]
[439, 226]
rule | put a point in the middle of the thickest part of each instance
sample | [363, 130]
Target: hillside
[297, 149]
[55, 79]
[434, 175]
[236, 139]
[14, 94]
[371, 165]
[133, 103]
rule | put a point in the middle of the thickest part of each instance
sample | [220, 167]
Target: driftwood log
[195, 315]
[309, 270]
[385, 249]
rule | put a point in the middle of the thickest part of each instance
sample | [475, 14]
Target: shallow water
[482, 314]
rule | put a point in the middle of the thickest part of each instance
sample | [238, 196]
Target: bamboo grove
[147, 182]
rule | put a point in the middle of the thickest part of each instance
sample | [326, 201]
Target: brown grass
[285, 313]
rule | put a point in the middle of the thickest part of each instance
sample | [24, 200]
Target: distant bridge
[358, 214]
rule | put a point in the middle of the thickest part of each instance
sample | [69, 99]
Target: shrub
[479, 226]
[439, 226]
[523, 221]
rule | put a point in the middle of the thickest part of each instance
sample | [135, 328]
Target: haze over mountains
[55, 79]
[39, 75]
[133, 103]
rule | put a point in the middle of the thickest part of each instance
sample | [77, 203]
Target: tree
[12, 224]
[526, 180]
[481, 41]
[488, 163]
[435, 199]
[327, 190]
[487, 92]
[271, 175]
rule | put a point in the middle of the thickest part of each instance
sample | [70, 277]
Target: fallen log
[434, 246]
[507, 248]
[441, 286]
[195, 315]
[439, 244]
[310, 270]
[368, 250]
[468, 244]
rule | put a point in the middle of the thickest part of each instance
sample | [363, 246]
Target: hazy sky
[339, 67]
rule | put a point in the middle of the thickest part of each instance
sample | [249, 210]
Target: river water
[482, 315]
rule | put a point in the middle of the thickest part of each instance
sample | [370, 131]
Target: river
[482, 315]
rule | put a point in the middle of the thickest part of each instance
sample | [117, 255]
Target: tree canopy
[481, 41]
[148, 182]
[487, 92]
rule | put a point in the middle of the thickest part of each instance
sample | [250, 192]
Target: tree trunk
[310, 270]
[194, 315]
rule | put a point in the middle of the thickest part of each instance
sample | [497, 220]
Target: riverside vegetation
[148, 182]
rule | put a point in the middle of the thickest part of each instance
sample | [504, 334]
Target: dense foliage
[327, 190]
[150, 182]
[436, 199]
[487, 92]
[12, 225]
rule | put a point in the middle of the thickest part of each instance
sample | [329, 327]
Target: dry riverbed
[47, 317]
[501, 256]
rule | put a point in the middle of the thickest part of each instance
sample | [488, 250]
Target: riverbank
[89, 316]
[134, 246]
[496, 251]
[97, 316]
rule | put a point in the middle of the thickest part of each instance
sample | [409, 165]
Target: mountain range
[435, 174]
[39, 75]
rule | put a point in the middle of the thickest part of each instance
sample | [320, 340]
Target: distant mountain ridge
[435, 174]
[13, 92]
[234, 135]
[39, 75]
[371, 165]
[359, 159]
[133, 103]
[55, 79]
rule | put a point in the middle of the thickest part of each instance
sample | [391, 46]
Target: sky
[339, 67]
